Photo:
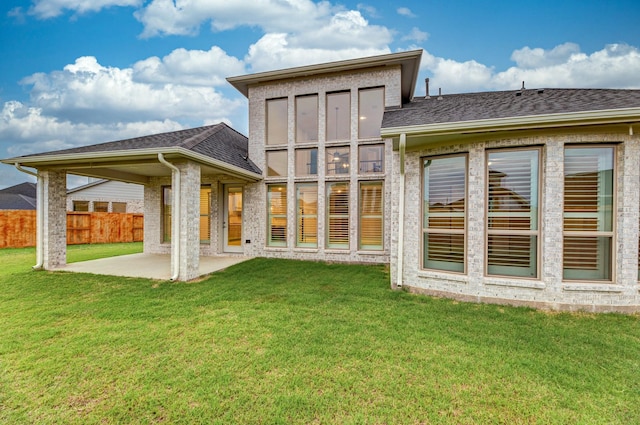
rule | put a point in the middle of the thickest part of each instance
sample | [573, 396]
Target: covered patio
[173, 168]
[148, 266]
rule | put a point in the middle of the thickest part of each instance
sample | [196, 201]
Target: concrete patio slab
[150, 266]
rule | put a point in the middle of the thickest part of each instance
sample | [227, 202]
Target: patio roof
[217, 148]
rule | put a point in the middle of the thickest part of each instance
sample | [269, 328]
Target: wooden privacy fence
[18, 228]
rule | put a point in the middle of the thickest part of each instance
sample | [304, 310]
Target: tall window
[337, 160]
[338, 116]
[371, 158]
[443, 224]
[588, 213]
[370, 110]
[371, 216]
[205, 214]
[166, 214]
[276, 163]
[277, 215]
[338, 215]
[307, 118]
[512, 210]
[277, 121]
[307, 215]
[306, 162]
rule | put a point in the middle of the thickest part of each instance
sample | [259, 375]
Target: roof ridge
[199, 137]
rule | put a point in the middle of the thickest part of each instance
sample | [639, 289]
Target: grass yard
[277, 341]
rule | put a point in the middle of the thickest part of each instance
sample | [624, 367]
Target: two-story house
[528, 196]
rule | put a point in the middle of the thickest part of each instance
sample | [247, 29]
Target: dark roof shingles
[506, 104]
[218, 141]
[14, 201]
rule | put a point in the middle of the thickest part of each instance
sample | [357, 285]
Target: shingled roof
[218, 141]
[506, 104]
[15, 201]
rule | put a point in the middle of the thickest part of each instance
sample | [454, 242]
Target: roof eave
[409, 60]
[45, 161]
[529, 122]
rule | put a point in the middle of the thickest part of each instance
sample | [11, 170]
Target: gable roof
[466, 113]
[218, 147]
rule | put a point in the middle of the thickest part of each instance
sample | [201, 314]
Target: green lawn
[276, 341]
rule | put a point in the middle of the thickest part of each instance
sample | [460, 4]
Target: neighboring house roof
[27, 189]
[218, 147]
[14, 201]
[86, 186]
[409, 62]
[467, 113]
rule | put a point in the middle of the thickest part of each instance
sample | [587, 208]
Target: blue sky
[78, 72]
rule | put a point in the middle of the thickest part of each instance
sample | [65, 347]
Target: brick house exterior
[526, 197]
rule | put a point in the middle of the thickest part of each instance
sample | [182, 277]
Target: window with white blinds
[338, 215]
[512, 212]
[371, 216]
[277, 215]
[205, 214]
[444, 211]
[307, 215]
[588, 213]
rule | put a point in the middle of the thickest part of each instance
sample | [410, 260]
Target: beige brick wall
[549, 290]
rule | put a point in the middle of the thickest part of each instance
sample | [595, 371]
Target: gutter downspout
[403, 144]
[175, 218]
[39, 216]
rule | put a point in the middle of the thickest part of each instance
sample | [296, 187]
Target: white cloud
[528, 58]
[189, 67]
[455, 77]
[273, 52]
[44, 9]
[346, 28]
[86, 91]
[405, 11]
[615, 66]
[185, 17]
[27, 130]
[416, 35]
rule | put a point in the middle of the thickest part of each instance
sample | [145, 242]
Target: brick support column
[55, 219]
[189, 220]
